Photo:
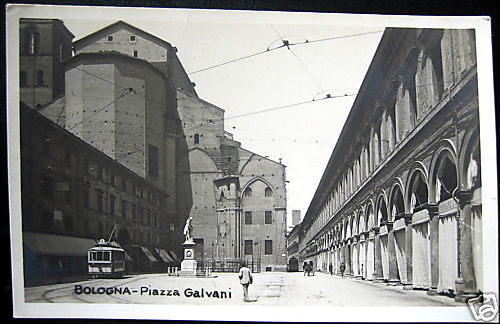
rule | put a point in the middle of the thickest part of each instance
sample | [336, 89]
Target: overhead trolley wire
[287, 44]
[269, 109]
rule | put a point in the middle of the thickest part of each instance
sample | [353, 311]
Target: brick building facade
[126, 94]
[43, 46]
[74, 195]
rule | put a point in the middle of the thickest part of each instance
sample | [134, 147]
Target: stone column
[391, 251]
[434, 241]
[379, 274]
[465, 283]
[408, 248]
[348, 269]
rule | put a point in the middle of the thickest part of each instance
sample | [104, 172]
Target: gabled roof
[117, 26]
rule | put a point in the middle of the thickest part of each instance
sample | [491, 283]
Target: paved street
[285, 289]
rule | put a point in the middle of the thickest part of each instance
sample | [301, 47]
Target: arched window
[268, 192]
[247, 192]
[446, 179]
[397, 203]
[39, 78]
[419, 193]
[382, 213]
[99, 229]
[61, 52]
[196, 138]
[23, 79]
[32, 41]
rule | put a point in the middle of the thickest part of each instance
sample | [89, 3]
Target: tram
[106, 260]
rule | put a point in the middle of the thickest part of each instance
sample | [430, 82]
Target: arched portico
[418, 201]
[399, 218]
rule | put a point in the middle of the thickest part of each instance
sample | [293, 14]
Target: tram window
[119, 256]
[106, 256]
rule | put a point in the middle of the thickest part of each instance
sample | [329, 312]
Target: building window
[112, 200]
[86, 198]
[124, 184]
[32, 44]
[66, 186]
[196, 138]
[268, 192]
[61, 52]
[132, 38]
[134, 211]
[68, 223]
[99, 229]
[248, 247]
[248, 218]
[124, 208]
[153, 161]
[247, 192]
[136, 54]
[113, 178]
[268, 248]
[100, 200]
[141, 215]
[110, 38]
[268, 217]
[39, 79]
[67, 157]
[23, 79]
[47, 187]
[86, 166]
[47, 219]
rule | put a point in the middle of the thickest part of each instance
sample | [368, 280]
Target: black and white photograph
[195, 164]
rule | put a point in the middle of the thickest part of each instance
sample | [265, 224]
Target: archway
[293, 264]
[370, 244]
[397, 211]
[362, 244]
[382, 218]
[471, 214]
[355, 246]
[421, 248]
[445, 183]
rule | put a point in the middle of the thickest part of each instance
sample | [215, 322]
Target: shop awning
[148, 254]
[172, 254]
[60, 245]
[164, 255]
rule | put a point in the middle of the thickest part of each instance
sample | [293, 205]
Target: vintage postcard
[191, 164]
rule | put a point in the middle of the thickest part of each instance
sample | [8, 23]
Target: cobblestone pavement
[286, 289]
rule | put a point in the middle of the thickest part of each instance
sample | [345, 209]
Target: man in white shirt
[246, 279]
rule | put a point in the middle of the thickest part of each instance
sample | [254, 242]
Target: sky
[303, 136]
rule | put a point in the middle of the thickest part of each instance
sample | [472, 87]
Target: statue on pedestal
[188, 230]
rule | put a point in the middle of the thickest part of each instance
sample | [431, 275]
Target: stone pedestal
[189, 264]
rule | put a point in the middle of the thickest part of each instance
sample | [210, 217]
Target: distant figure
[188, 230]
[246, 279]
[342, 269]
[362, 273]
[330, 269]
[60, 271]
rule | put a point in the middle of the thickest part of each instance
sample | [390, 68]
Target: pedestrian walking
[342, 269]
[330, 269]
[246, 279]
[60, 271]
